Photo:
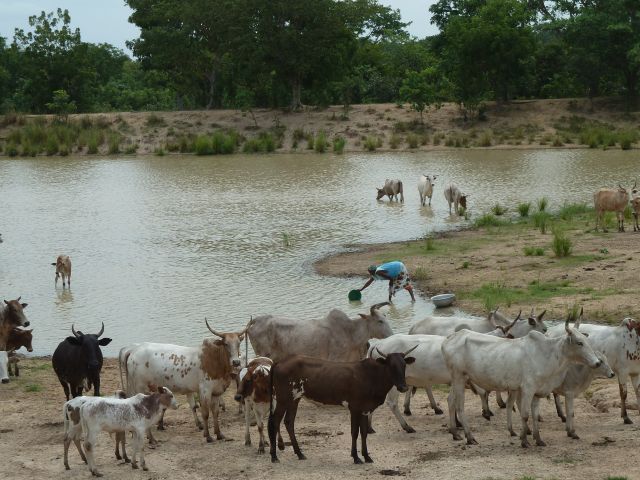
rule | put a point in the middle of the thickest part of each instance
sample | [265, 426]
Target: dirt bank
[31, 441]
[386, 127]
[487, 267]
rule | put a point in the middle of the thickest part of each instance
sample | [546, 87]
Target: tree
[424, 89]
[61, 105]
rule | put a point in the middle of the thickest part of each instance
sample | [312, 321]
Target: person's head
[372, 269]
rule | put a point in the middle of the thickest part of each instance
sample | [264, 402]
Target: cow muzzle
[26, 324]
[402, 388]
[235, 363]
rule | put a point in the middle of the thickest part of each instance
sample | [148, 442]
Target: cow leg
[535, 413]
[407, 400]
[363, 438]
[273, 428]
[453, 425]
[248, 409]
[511, 398]
[499, 400]
[289, 423]
[355, 428]
[436, 409]
[392, 403]
[161, 422]
[623, 400]
[571, 432]
[216, 412]
[138, 442]
[139, 439]
[204, 407]
[635, 382]
[459, 402]
[484, 399]
[65, 387]
[191, 398]
[89, 445]
[556, 399]
[525, 408]
[259, 410]
[369, 422]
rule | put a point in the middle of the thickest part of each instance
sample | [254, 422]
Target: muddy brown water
[158, 243]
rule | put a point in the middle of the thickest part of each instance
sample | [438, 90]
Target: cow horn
[377, 306]
[492, 320]
[212, 330]
[621, 187]
[101, 331]
[577, 324]
[18, 299]
[566, 324]
[381, 354]
[73, 330]
[512, 324]
[410, 350]
[635, 183]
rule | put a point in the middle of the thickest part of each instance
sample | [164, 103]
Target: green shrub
[523, 209]
[222, 144]
[114, 143]
[485, 139]
[498, 210]
[92, 145]
[159, 152]
[542, 204]
[541, 220]
[154, 120]
[413, 140]
[533, 251]
[371, 144]
[203, 145]
[394, 141]
[420, 274]
[64, 150]
[568, 211]
[561, 244]
[628, 212]
[489, 220]
[321, 143]
[298, 135]
[187, 144]
[310, 141]
[557, 141]
[11, 149]
[338, 144]
[131, 149]
[52, 146]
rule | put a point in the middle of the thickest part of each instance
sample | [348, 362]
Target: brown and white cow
[455, 197]
[18, 338]
[63, 269]
[611, 200]
[11, 316]
[207, 370]
[254, 392]
[391, 188]
[359, 386]
[135, 414]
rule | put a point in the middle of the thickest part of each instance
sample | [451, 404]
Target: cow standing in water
[455, 197]
[63, 269]
[425, 188]
[392, 188]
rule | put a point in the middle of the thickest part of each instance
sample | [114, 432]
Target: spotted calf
[253, 391]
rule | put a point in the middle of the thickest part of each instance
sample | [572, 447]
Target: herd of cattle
[604, 200]
[358, 363]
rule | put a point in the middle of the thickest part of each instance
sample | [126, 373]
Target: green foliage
[321, 143]
[61, 104]
[264, 143]
[394, 141]
[541, 220]
[52, 146]
[33, 387]
[498, 210]
[424, 89]
[154, 120]
[413, 140]
[533, 251]
[203, 145]
[542, 204]
[489, 220]
[524, 208]
[371, 144]
[338, 144]
[561, 245]
[569, 211]
[222, 143]
[114, 140]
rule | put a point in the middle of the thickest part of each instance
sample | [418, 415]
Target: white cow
[391, 188]
[456, 198]
[621, 345]
[532, 367]
[4, 366]
[425, 188]
[135, 414]
[206, 370]
[576, 381]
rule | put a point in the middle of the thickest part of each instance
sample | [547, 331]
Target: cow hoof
[357, 460]
[66, 467]
[220, 436]
[368, 459]
[370, 430]
[161, 427]
[409, 430]
[275, 460]
[118, 457]
[127, 460]
[247, 443]
[525, 444]
[438, 411]
[301, 456]
[456, 436]
[502, 405]
[407, 412]
[540, 443]
[627, 420]
[200, 427]
[512, 433]
[564, 419]
[472, 441]
[261, 449]
[486, 415]
[134, 466]
[96, 474]
[209, 439]
[573, 435]
[145, 468]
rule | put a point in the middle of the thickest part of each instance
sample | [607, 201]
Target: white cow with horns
[207, 370]
[529, 367]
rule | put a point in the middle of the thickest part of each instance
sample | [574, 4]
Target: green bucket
[355, 295]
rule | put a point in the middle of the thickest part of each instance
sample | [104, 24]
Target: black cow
[77, 359]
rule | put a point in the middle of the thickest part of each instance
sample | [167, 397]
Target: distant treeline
[285, 53]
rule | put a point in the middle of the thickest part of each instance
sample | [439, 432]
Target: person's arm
[369, 282]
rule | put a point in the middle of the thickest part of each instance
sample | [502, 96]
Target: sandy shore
[31, 434]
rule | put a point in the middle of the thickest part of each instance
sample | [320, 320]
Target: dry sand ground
[31, 441]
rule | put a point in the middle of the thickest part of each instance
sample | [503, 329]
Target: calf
[63, 269]
[11, 316]
[73, 427]
[18, 338]
[391, 188]
[611, 200]
[531, 366]
[360, 386]
[78, 359]
[425, 188]
[456, 197]
[135, 414]
[254, 392]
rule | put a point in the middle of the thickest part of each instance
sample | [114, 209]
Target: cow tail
[121, 377]
[246, 345]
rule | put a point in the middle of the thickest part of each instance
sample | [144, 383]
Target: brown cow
[18, 338]
[359, 386]
[11, 316]
[63, 269]
[611, 200]
[391, 188]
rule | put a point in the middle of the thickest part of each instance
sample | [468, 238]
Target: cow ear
[409, 360]
[381, 360]
[24, 305]
[104, 341]
[532, 321]
[363, 316]
[585, 334]
[74, 340]
[161, 390]
[152, 387]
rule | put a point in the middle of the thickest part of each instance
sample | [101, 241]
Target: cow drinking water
[455, 197]
[391, 188]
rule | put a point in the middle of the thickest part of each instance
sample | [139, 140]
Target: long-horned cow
[391, 188]
[207, 370]
[359, 386]
[611, 200]
[530, 367]
[77, 360]
[63, 269]
[425, 188]
[455, 197]
[621, 345]
[335, 337]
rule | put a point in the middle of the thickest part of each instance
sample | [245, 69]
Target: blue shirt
[393, 269]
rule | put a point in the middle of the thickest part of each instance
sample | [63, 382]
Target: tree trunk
[212, 87]
[296, 94]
